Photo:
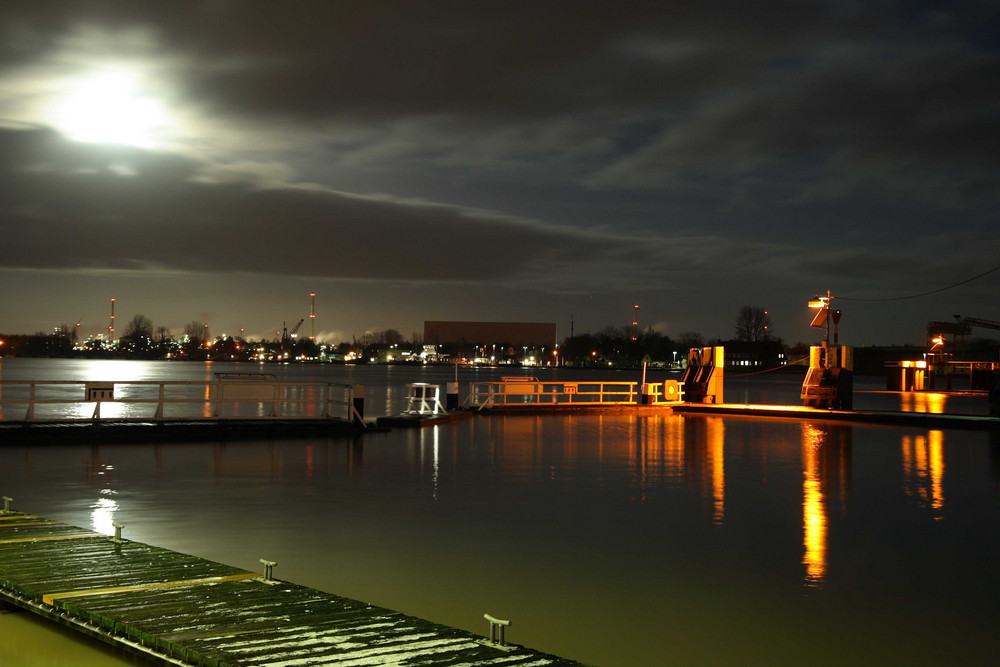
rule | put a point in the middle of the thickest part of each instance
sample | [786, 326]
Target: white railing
[530, 391]
[148, 400]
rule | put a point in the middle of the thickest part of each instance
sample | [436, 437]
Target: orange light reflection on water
[716, 436]
[921, 401]
[814, 515]
[924, 468]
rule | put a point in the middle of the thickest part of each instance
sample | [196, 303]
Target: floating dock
[419, 421]
[146, 430]
[178, 609]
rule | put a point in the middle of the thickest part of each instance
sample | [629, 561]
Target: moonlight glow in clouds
[549, 161]
[110, 106]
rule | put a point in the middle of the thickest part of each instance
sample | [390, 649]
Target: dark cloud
[79, 206]
[567, 148]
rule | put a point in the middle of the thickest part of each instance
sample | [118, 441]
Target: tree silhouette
[752, 324]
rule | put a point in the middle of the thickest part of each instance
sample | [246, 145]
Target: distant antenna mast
[111, 324]
[635, 322]
[312, 315]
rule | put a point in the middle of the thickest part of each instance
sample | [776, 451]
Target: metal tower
[111, 324]
[312, 315]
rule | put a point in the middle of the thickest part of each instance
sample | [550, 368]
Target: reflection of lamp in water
[102, 515]
[717, 447]
[814, 519]
[924, 468]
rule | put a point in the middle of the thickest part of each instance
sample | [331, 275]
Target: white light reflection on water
[102, 512]
[436, 465]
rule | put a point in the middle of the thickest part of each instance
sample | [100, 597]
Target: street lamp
[824, 314]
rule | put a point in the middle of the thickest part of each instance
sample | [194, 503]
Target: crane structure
[962, 326]
[979, 322]
[286, 334]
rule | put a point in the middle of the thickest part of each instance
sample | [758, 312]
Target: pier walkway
[178, 609]
[233, 404]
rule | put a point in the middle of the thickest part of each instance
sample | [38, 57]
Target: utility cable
[793, 362]
[914, 296]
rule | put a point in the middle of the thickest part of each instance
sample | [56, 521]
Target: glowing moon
[109, 106]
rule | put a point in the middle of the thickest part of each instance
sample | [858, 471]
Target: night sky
[512, 161]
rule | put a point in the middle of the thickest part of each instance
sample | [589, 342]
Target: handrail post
[358, 404]
[497, 627]
[31, 402]
[159, 405]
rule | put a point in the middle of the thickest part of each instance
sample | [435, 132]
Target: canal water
[621, 538]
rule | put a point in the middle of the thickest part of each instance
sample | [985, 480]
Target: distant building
[508, 334]
[760, 355]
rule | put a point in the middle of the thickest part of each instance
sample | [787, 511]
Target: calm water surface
[614, 539]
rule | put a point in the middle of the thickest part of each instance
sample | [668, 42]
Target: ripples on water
[616, 539]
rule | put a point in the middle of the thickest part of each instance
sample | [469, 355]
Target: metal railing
[530, 391]
[520, 391]
[150, 400]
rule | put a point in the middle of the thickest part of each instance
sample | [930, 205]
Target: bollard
[118, 532]
[359, 404]
[497, 627]
[268, 566]
[7, 500]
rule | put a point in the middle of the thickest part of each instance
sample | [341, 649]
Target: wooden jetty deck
[177, 609]
[239, 405]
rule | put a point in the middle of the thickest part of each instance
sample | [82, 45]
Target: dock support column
[358, 393]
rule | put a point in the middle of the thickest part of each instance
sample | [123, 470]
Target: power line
[915, 296]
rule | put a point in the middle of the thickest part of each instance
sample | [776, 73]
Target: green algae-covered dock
[183, 610]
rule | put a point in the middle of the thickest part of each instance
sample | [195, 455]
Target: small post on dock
[497, 628]
[268, 567]
[7, 500]
[358, 394]
[117, 539]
